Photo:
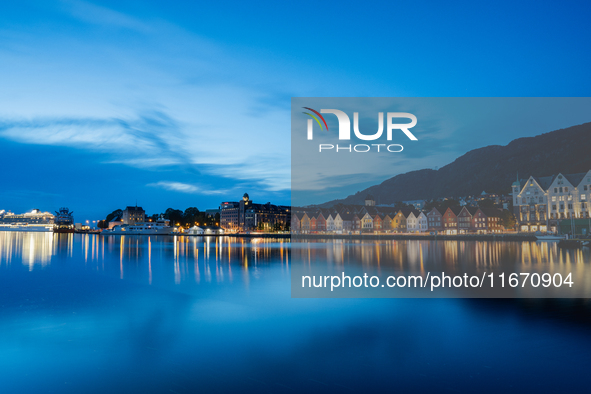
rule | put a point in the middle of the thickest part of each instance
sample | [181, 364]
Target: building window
[553, 198]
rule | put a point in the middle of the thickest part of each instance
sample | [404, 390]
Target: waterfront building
[204, 230]
[320, 222]
[357, 223]
[300, 223]
[133, 215]
[422, 218]
[450, 220]
[229, 216]
[347, 219]
[387, 222]
[434, 220]
[296, 222]
[366, 222]
[400, 220]
[540, 203]
[412, 223]
[330, 222]
[245, 215]
[213, 230]
[305, 223]
[377, 219]
[489, 220]
[195, 230]
[466, 219]
[313, 223]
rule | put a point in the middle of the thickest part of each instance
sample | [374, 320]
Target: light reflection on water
[415, 254]
[85, 313]
[191, 258]
[426, 258]
[197, 258]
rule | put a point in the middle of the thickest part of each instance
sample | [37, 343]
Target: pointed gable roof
[299, 215]
[544, 181]
[575, 179]
[435, 210]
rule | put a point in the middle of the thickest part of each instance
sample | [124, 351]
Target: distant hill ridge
[492, 168]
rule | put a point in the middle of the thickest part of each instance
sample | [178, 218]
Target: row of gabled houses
[377, 219]
[362, 220]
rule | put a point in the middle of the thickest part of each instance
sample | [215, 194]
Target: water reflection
[30, 248]
[196, 259]
[416, 255]
[426, 257]
[199, 314]
[219, 259]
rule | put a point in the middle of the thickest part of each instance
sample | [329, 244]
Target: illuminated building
[247, 216]
[542, 202]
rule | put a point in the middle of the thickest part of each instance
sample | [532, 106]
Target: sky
[106, 104]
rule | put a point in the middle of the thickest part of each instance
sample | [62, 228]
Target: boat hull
[31, 229]
[550, 238]
[64, 230]
[142, 232]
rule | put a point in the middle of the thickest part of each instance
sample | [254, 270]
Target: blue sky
[178, 104]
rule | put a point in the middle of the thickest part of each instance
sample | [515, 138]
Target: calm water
[85, 313]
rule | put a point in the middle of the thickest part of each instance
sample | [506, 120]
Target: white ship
[35, 221]
[159, 227]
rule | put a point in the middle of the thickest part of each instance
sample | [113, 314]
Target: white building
[412, 223]
[423, 226]
[540, 202]
[330, 225]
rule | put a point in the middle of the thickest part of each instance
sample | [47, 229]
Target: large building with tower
[245, 215]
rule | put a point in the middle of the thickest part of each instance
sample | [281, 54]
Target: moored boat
[34, 221]
[550, 237]
[64, 221]
[159, 227]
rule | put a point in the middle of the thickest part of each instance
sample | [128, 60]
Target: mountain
[491, 169]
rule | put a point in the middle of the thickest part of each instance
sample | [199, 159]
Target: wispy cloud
[185, 188]
[144, 141]
[160, 97]
[95, 14]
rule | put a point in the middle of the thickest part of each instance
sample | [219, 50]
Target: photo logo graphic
[345, 129]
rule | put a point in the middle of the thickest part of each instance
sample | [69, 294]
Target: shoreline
[427, 237]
